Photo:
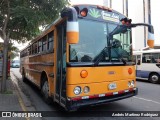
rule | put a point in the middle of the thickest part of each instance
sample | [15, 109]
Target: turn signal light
[84, 12]
[84, 74]
[130, 71]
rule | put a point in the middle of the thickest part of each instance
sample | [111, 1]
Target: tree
[20, 21]
[13, 51]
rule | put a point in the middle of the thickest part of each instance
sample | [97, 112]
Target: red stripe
[130, 89]
[76, 98]
[93, 96]
[96, 96]
[121, 92]
[109, 94]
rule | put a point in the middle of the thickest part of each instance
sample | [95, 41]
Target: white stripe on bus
[72, 27]
[150, 36]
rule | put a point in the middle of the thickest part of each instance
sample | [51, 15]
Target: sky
[95, 2]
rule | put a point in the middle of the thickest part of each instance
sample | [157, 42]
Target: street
[148, 99]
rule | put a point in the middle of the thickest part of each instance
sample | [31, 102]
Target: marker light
[84, 12]
[84, 74]
[129, 83]
[132, 82]
[130, 71]
[86, 89]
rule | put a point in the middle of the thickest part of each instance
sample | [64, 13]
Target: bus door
[138, 65]
[60, 96]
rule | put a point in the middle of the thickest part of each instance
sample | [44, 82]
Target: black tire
[154, 78]
[45, 90]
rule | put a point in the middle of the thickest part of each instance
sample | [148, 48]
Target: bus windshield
[93, 39]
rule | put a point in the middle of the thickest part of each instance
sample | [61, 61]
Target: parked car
[15, 64]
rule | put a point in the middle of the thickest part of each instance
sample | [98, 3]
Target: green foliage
[14, 51]
[94, 13]
[27, 15]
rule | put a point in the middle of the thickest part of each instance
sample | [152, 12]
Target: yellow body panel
[35, 65]
[98, 79]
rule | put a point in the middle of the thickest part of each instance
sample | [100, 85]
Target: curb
[24, 101]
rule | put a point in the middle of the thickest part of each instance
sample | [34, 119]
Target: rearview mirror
[150, 41]
[72, 24]
[72, 32]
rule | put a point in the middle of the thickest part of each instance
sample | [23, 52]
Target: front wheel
[154, 78]
[45, 92]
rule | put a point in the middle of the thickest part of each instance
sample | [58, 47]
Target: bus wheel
[154, 78]
[45, 92]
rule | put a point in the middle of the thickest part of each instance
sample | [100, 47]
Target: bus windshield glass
[93, 39]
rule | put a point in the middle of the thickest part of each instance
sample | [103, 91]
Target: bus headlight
[86, 89]
[77, 90]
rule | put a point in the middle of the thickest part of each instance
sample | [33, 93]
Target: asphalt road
[148, 99]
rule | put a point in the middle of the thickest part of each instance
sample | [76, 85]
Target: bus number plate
[112, 86]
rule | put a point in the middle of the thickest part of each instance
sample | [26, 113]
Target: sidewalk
[9, 100]
[14, 100]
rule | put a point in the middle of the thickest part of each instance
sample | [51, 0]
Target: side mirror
[150, 41]
[72, 32]
[72, 24]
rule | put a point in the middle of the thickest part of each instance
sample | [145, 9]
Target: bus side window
[138, 59]
[138, 62]
[144, 59]
[50, 41]
[39, 46]
[44, 43]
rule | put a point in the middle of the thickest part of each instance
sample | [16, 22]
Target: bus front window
[94, 46]
[92, 40]
[123, 51]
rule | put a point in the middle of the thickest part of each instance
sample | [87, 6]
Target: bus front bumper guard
[78, 102]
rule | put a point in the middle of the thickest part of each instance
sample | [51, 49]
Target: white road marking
[147, 100]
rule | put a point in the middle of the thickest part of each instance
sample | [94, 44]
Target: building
[140, 11]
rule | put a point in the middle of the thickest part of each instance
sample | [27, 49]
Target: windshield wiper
[100, 56]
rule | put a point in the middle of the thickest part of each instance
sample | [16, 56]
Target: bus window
[39, 46]
[155, 58]
[44, 43]
[50, 40]
[144, 59]
[34, 48]
[30, 50]
[85, 50]
[138, 59]
[150, 58]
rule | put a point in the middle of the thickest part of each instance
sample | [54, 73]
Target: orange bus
[83, 58]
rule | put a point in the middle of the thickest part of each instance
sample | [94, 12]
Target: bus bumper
[75, 104]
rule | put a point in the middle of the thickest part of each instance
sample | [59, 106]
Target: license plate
[112, 86]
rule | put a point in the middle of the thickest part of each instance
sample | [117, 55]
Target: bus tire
[154, 78]
[45, 90]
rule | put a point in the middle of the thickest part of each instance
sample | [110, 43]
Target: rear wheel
[45, 91]
[154, 78]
